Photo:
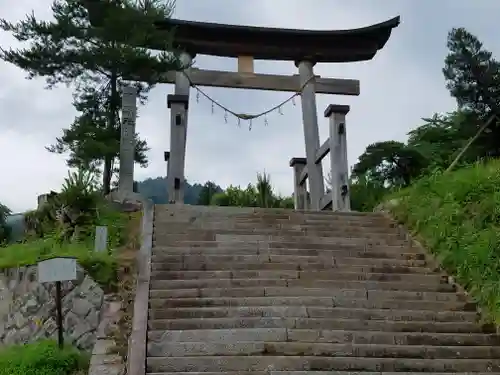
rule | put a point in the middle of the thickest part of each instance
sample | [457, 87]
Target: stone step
[337, 295]
[384, 267]
[267, 234]
[317, 248]
[159, 299]
[177, 222]
[163, 299]
[293, 219]
[231, 213]
[324, 253]
[324, 336]
[365, 244]
[309, 311]
[317, 363]
[302, 275]
[213, 212]
[165, 239]
[287, 245]
[269, 227]
[193, 261]
[318, 323]
[311, 283]
[316, 373]
[258, 348]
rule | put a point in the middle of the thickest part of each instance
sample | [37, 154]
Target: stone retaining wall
[27, 308]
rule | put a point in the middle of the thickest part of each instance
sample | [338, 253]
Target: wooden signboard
[56, 270]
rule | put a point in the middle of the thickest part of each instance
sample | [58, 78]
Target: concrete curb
[136, 361]
[103, 361]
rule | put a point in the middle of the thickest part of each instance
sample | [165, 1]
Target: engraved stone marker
[101, 238]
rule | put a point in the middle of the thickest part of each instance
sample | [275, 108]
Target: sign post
[56, 270]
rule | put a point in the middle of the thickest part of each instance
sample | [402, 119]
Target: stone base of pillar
[300, 194]
[125, 197]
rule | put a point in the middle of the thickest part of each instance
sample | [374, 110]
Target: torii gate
[305, 48]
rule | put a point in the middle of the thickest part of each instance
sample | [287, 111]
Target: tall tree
[473, 79]
[207, 192]
[69, 50]
[390, 163]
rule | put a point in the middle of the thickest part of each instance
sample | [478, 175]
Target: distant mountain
[156, 190]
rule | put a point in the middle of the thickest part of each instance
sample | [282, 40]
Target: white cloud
[401, 85]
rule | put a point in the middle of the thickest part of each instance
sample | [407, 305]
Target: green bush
[457, 216]
[366, 194]
[259, 195]
[4, 228]
[41, 358]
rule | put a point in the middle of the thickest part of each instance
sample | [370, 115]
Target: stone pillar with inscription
[338, 157]
[300, 199]
[311, 132]
[178, 104]
[127, 140]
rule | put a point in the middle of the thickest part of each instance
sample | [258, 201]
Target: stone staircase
[252, 291]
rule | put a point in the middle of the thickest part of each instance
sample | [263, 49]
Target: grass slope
[457, 217]
[102, 266]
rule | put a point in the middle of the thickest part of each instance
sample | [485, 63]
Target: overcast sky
[400, 86]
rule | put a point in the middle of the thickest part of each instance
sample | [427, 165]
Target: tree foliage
[96, 61]
[89, 140]
[390, 163]
[259, 195]
[69, 50]
[473, 79]
[264, 190]
[441, 137]
[471, 73]
[366, 193]
[4, 227]
[207, 192]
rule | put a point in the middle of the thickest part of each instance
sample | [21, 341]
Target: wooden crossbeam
[322, 151]
[257, 81]
[303, 175]
[325, 202]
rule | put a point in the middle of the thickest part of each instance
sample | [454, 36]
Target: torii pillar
[178, 104]
[311, 132]
[338, 156]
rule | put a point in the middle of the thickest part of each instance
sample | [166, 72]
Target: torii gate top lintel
[265, 43]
